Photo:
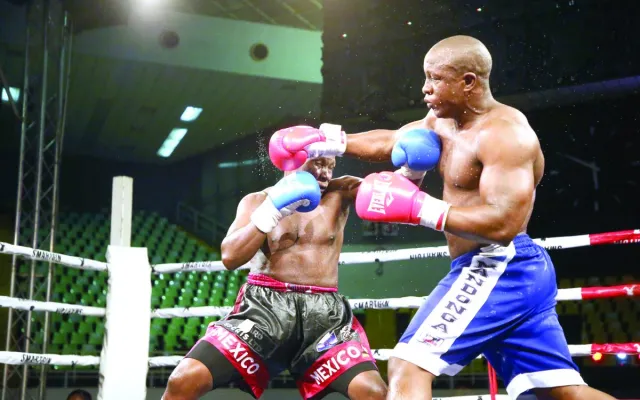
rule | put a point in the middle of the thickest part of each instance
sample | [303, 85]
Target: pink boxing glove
[289, 148]
[389, 197]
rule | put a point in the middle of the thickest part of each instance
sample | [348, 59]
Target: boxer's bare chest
[321, 227]
[459, 166]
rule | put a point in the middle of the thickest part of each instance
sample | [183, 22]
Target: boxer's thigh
[247, 339]
[335, 353]
[469, 310]
[191, 379]
[535, 354]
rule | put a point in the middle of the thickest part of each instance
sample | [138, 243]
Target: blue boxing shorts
[500, 302]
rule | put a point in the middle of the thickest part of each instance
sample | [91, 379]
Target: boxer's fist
[298, 191]
[289, 148]
[389, 197]
[416, 151]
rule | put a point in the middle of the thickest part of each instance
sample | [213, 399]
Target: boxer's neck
[476, 106]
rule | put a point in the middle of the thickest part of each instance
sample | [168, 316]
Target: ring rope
[60, 308]
[557, 243]
[562, 242]
[57, 258]
[588, 293]
[17, 358]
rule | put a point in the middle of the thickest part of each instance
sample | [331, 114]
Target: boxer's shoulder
[346, 185]
[504, 116]
[255, 197]
[344, 182]
[507, 133]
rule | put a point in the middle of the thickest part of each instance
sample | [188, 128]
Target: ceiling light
[15, 93]
[171, 142]
[190, 114]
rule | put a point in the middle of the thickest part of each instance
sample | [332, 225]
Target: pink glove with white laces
[289, 148]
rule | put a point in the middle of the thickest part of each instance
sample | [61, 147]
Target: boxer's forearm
[239, 247]
[373, 146]
[483, 223]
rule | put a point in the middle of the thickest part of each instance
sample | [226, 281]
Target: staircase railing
[201, 224]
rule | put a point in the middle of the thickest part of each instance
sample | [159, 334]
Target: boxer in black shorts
[288, 315]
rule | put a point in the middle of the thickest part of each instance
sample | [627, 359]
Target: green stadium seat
[78, 339]
[168, 302]
[85, 328]
[59, 338]
[69, 349]
[89, 350]
[171, 343]
[96, 338]
[88, 235]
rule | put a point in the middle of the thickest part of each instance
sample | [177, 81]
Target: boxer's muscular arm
[507, 152]
[243, 239]
[376, 145]
[347, 186]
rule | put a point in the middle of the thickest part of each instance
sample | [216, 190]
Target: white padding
[543, 379]
[125, 351]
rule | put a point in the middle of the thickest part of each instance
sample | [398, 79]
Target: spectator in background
[79, 394]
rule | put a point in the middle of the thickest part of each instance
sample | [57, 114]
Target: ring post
[121, 208]
[124, 360]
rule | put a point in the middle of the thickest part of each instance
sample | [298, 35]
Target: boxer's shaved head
[457, 71]
[462, 54]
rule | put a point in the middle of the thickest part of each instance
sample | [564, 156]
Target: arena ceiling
[124, 110]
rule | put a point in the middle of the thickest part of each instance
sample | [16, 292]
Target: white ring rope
[597, 292]
[564, 242]
[16, 358]
[60, 308]
[42, 255]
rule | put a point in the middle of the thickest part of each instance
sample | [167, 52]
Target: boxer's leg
[367, 385]
[534, 357]
[335, 356]
[470, 309]
[238, 349]
[193, 377]
[407, 380]
[575, 392]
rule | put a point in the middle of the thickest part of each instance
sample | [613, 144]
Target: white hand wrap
[433, 213]
[410, 174]
[335, 145]
[266, 216]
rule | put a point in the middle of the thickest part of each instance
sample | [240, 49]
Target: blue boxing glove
[298, 191]
[416, 151]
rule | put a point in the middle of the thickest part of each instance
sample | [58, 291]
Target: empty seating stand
[87, 235]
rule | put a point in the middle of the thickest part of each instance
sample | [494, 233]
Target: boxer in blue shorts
[499, 297]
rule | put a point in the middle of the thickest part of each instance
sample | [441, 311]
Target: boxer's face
[443, 87]
[321, 168]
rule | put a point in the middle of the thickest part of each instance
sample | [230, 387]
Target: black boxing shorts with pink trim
[275, 326]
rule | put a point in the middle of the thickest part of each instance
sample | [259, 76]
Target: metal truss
[44, 101]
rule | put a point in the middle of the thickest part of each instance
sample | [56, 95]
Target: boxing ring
[124, 360]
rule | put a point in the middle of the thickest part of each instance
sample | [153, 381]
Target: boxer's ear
[470, 81]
